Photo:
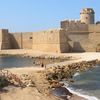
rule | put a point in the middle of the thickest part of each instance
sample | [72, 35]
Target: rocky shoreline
[49, 79]
[55, 75]
[67, 71]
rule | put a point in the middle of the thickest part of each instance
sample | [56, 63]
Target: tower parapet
[87, 16]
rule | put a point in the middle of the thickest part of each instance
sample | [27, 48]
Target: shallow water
[18, 61]
[88, 82]
[15, 61]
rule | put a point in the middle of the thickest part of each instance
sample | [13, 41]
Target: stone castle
[81, 35]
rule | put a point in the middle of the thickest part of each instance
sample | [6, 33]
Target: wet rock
[61, 92]
[55, 84]
[27, 80]
[71, 80]
[67, 71]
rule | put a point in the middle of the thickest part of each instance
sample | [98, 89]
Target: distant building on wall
[81, 35]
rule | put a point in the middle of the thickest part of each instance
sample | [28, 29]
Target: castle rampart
[22, 40]
[81, 35]
[52, 41]
[74, 26]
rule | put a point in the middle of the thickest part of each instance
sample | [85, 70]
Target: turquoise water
[88, 83]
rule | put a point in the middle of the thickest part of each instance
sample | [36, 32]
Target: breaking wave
[76, 74]
[82, 95]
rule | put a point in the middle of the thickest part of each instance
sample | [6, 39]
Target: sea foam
[76, 74]
[81, 95]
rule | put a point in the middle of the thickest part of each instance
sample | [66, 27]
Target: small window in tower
[86, 17]
[31, 38]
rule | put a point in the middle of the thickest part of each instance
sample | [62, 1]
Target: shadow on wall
[98, 48]
[65, 48]
[14, 43]
[77, 47]
[70, 48]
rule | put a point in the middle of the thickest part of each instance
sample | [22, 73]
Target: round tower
[87, 16]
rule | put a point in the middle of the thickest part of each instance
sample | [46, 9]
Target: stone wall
[4, 39]
[78, 41]
[95, 40]
[74, 26]
[75, 39]
[82, 37]
[15, 40]
[94, 28]
[27, 40]
[50, 41]
[21, 40]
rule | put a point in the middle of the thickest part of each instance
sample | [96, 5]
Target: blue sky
[34, 15]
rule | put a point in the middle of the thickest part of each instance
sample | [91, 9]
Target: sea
[15, 61]
[87, 84]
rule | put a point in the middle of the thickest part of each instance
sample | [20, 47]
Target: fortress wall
[4, 39]
[21, 40]
[79, 42]
[74, 26]
[88, 47]
[27, 40]
[94, 36]
[94, 28]
[46, 41]
[63, 40]
[83, 37]
[95, 39]
[88, 41]
[0, 36]
[16, 40]
[83, 47]
[50, 41]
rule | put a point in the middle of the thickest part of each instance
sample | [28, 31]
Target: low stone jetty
[55, 74]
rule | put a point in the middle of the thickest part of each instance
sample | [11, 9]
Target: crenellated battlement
[71, 22]
[74, 25]
[87, 11]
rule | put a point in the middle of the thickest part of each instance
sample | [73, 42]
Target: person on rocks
[42, 65]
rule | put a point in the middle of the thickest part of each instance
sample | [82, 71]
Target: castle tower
[87, 16]
[4, 39]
